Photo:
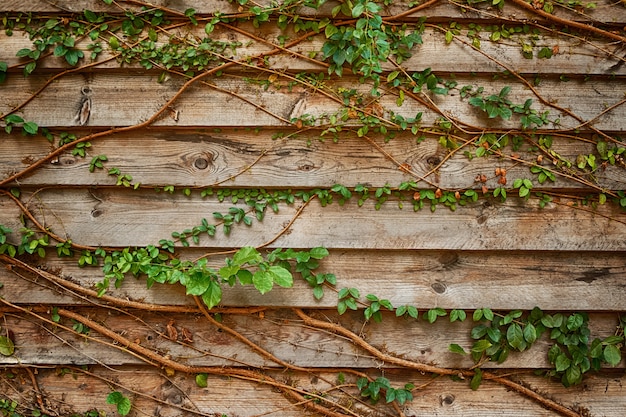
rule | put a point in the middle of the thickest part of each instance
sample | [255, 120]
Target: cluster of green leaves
[382, 386]
[59, 34]
[246, 267]
[28, 128]
[367, 44]
[572, 354]
[121, 402]
[498, 105]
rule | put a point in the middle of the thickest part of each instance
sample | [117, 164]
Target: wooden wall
[220, 132]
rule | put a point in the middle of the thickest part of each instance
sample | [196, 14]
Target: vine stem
[566, 22]
[150, 120]
[421, 367]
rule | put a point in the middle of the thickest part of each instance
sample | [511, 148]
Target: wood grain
[126, 218]
[426, 279]
[201, 158]
[575, 56]
[605, 10]
[279, 332]
[125, 100]
[77, 392]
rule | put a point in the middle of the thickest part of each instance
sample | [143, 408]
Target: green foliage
[374, 390]
[122, 403]
[348, 298]
[572, 353]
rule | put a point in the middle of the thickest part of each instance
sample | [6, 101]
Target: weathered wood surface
[198, 158]
[126, 218]
[605, 10]
[575, 56]
[502, 256]
[126, 100]
[178, 395]
[279, 332]
[585, 281]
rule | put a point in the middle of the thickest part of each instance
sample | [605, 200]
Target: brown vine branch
[386, 358]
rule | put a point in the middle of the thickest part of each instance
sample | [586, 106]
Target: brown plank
[124, 100]
[425, 279]
[180, 396]
[127, 218]
[279, 332]
[599, 57]
[605, 10]
[197, 158]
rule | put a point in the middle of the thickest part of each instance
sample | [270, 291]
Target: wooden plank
[426, 279]
[279, 332]
[599, 57]
[605, 10]
[123, 100]
[126, 218]
[197, 158]
[78, 392]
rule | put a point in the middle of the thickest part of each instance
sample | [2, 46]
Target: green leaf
[612, 355]
[91, 16]
[228, 271]
[201, 380]
[454, 348]
[358, 10]
[562, 362]
[198, 283]
[123, 403]
[31, 128]
[530, 333]
[213, 295]
[481, 346]
[245, 277]
[318, 292]
[263, 281]
[7, 348]
[515, 337]
[281, 276]
[319, 253]
[13, 119]
[248, 255]
[459, 315]
[392, 76]
[476, 379]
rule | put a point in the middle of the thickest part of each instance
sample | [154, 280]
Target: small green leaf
[262, 281]
[612, 355]
[281, 276]
[319, 253]
[454, 348]
[7, 348]
[201, 380]
[476, 379]
[31, 128]
[213, 295]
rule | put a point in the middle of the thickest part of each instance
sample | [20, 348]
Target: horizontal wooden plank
[604, 10]
[124, 100]
[197, 158]
[279, 332]
[574, 57]
[138, 218]
[426, 279]
[178, 395]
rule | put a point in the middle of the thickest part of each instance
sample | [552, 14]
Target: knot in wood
[201, 163]
[439, 287]
[433, 160]
[447, 399]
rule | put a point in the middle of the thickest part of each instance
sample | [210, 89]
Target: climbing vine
[363, 72]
